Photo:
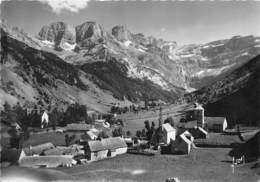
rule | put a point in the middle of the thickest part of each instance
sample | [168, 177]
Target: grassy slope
[200, 165]
[235, 97]
[112, 76]
[34, 74]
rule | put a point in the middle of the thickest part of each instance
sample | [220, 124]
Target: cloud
[163, 29]
[59, 5]
[70, 5]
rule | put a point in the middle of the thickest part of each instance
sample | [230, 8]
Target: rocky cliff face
[89, 33]
[57, 33]
[121, 34]
[37, 76]
[163, 62]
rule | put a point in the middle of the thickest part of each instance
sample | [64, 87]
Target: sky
[185, 22]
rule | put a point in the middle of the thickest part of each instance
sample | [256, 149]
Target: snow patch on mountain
[67, 46]
[187, 55]
[48, 43]
[127, 43]
[141, 73]
[212, 45]
[244, 54]
[212, 71]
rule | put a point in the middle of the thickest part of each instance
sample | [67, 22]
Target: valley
[84, 101]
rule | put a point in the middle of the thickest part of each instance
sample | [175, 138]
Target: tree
[147, 125]
[143, 133]
[117, 132]
[90, 120]
[69, 139]
[15, 138]
[149, 132]
[75, 113]
[55, 118]
[128, 133]
[102, 134]
[138, 133]
[120, 121]
[170, 121]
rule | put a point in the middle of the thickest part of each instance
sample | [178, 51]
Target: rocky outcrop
[121, 34]
[89, 34]
[238, 42]
[58, 33]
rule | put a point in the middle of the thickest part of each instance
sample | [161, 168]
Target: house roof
[10, 155]
[168, 127]
[185, 139]
[113, 143]
[215, 120]
[95, 146]
[54, 151]
[78, 127]
[202, 130]
[91, 134]
[47, 161]
[38, 149]
[198, 107]
[186, 133]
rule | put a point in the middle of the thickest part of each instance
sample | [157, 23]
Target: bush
[138, 133]
[170, 121]
[117, 132]
[103, 134]
[128, 133]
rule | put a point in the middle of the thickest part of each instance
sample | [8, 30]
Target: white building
[169, 133]
[45, 119]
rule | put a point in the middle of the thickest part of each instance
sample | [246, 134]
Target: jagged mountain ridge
[37, 76]
[60, 33]
[189, 66]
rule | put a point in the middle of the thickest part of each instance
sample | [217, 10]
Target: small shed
[169, 133]
[115, 146]
[182, 144]
[95, 150]
[216, 124]
[12, 155]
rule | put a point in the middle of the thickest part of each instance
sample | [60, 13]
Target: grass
[218, 140]
[203, 164]
[134, 122]
[53, 137]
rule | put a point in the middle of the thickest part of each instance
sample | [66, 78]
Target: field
[53, 137]
[134, 122]
[203, 164]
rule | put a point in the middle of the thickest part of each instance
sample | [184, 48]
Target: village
[106, 138]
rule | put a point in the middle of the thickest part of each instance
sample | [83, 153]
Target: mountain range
[90, 65]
